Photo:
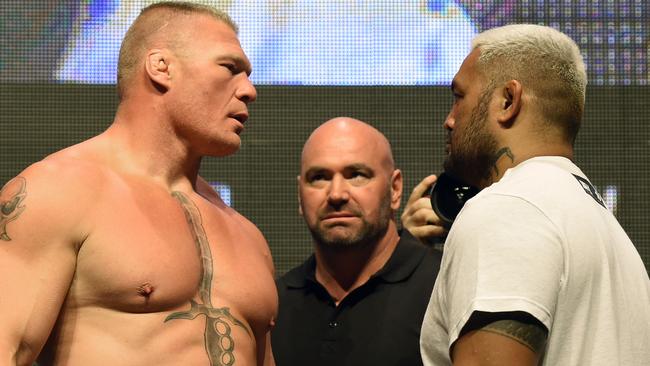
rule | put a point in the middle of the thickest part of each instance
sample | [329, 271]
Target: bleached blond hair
[548, 64]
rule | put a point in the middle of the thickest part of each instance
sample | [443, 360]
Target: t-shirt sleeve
[502, 254]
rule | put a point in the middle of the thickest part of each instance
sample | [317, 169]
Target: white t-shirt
[538, 242]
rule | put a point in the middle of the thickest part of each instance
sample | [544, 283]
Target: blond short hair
[547, 62]
[151, 20]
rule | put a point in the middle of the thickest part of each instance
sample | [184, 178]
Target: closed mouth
[241, 117]
[338, 215]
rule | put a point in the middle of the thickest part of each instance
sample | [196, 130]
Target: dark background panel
[613, 147]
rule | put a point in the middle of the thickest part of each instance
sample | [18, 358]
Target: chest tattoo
[219, 343]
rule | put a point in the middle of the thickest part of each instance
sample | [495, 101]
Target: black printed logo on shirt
[590, 190]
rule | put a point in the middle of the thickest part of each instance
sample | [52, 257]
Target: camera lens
[448, 195]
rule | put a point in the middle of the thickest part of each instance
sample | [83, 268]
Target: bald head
[349, 188]
[349, 134]
[164, 24]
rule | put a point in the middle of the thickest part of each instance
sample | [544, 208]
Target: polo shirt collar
[303, 274]
[404, 260]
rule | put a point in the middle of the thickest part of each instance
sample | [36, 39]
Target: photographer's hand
[418, 216]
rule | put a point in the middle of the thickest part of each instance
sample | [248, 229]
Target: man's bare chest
[171, 253]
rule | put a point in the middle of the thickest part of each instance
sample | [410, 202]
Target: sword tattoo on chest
[219, 343]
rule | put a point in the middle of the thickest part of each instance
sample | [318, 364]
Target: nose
[450, 121]
[246, 91]
[338, 193]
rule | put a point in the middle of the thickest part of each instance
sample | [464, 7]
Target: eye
[358, 177]
[231, 67]
[316, 178]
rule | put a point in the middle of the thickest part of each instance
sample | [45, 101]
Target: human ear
[299, 199]
[157, 68]
[396, 186]
[510, 103]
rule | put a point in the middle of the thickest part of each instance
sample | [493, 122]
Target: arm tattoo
[11, 196]
[532, 336]
[503, 151]
[218, 342]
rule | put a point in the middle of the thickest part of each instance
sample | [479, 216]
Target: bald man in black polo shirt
[361, 297]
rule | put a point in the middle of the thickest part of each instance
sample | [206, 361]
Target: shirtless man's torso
[114, 251]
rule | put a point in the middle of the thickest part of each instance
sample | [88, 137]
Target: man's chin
[337, 237]
[464, 174]
[453, 169]
[225, 150]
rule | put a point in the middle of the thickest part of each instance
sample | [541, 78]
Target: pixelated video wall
[385, 62]
[333, 42]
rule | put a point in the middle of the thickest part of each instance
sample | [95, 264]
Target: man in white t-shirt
[536, 271]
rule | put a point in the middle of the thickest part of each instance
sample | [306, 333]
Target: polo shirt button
[333, 324]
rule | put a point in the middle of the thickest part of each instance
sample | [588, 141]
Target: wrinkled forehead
[338, 151]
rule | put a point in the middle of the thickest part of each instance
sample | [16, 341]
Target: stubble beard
[199, 130]
[471, 155]
[366, 235]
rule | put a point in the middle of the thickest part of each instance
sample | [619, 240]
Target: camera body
[448, 195]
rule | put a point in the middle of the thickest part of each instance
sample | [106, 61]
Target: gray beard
[367, 235]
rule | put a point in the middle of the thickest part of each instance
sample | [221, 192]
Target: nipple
[145, 290]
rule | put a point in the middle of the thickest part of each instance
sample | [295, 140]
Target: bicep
[500, 339]
[33, 290]
[36, 268]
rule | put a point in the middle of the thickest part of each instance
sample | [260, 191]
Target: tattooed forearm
[11, 197]
[532, 336]
[503, 151]
[218, 340]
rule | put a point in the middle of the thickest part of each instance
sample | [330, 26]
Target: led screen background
[391, 68]
[334, 42]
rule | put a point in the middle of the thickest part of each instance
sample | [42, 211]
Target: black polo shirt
[376, 324]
